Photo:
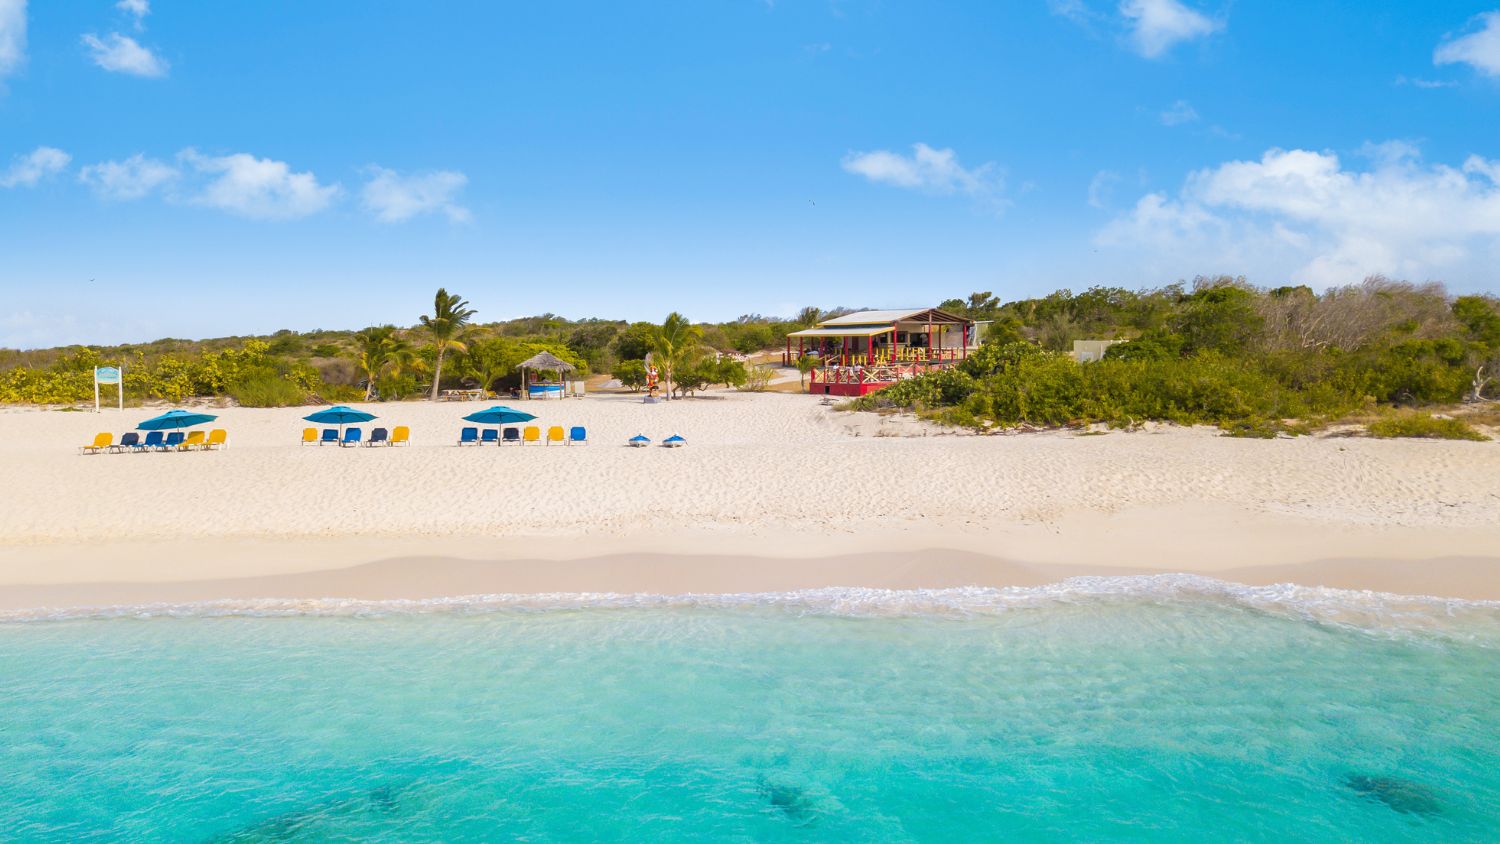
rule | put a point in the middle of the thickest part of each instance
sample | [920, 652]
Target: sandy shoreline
[774, 492]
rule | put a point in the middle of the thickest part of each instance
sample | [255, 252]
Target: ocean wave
[1358, 609]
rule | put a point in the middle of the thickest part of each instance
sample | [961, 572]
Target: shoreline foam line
[1363, 610]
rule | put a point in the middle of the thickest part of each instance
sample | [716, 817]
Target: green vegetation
[446, 328]
[1416, 424]
[1217, 351]
[1254, 362]
[675, 345]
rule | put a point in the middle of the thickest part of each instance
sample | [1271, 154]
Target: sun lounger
[194, 440]
[510, 435]
[638, 441]
[330, 437]
[378, 437]
[217, 438]
[129, 441]
[489, 436]
[673, 441]
[468, 436]
[531, 434]
[153, 441]
[173, 440]
[100, 443]
[578, 434]
[351, 436]
[556, 434]
[309, 436]
[401, 435]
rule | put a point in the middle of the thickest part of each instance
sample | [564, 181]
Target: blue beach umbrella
[175, 419]
[498, 415]
[674, 441]
[339, 415]
[639, 440]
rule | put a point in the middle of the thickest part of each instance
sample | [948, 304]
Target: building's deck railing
[880, 373]
[885, 357]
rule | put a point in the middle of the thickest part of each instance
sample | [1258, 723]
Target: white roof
[871, 317]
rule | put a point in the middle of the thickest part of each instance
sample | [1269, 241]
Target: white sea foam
[1373, 611]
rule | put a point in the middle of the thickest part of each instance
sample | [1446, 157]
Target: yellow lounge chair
[309, 436]
[556, 434]
[400, 435]
[194, 440]
[217, 438]
[531, 434]
[100, 443]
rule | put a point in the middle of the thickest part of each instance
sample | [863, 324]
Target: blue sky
[175, 168]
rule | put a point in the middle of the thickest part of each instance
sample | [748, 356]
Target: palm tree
[674, 344]
[381, 349]
[450, 315]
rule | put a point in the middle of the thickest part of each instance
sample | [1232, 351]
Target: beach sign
[108, 375]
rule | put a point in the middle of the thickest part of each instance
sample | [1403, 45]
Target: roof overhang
[851, 331]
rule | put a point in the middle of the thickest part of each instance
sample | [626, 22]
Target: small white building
[1088, 351]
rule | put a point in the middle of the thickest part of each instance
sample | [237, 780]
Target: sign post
[109, 375]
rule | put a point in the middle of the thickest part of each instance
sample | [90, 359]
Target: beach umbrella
[175, 419]
[639, 440]
[498, 415]
[674, 441]
[339, 415]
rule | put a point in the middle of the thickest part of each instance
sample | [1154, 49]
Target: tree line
[1221, 351]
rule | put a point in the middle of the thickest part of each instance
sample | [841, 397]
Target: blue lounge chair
[578, 434]
[153, 441]
[379, 436]
[468, 436]
[489, 436]
[129, 441]
[510, 435]
[330, 437]
[173, 440]
[352, 436]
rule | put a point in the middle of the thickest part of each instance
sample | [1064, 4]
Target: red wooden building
[862, 352]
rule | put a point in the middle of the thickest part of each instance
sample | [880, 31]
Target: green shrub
[1414, 424]
[267, 389]
[630, 373]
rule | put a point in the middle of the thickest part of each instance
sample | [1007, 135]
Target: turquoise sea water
[1152, 709]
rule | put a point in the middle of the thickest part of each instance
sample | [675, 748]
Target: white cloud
[138, 8]
[1180, 112]
[12, 36]
[1305, 215]
[1430, 84]
[132, 178]
[1102, 187]
[121, 54]
[26, 170]
[393, 197]
[1480, 50]
[1073, 10]
[1157, 25]
[926, 169]
[260, 188]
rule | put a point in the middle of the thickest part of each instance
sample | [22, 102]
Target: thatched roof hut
[546, 361]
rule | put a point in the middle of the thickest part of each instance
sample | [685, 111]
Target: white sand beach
[773, 491]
